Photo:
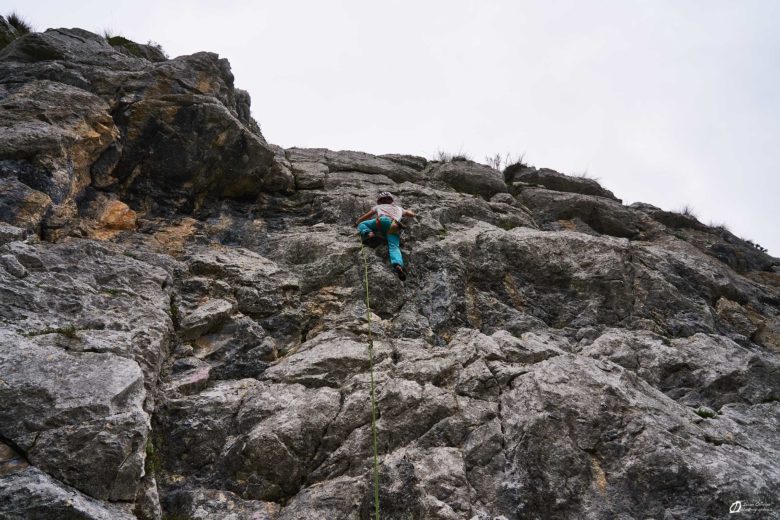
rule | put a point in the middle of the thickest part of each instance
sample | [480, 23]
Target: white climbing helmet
[385, 195]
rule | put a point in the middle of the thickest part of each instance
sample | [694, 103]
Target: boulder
[412, 161]
[568, 460]
[562, 210]
[470, 177]
[48, 145]
[348, 161]
[555, 181]
[205, 504]
[91, 434]
[204, 318]
[34, 494]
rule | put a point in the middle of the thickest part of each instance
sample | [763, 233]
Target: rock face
[184, 335]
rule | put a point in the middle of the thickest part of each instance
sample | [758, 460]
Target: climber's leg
[366, 227]
[394, 249]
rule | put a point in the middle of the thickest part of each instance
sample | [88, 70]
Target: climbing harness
[373, 385]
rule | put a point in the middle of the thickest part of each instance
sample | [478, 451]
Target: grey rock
[147, 500]
[197, 427]
[412, 161]
[22, 206]
[60, 144]
[470, 177]
[110, 302]
[309, 175]
[33, 494]
[348, 161]
[241, 348]
[13, 266]
[721, 366]
[561, 210]
[204, 318]
[9, 233]
[602, 470]
[367, 163]
[207, 124]
[207, 504]
[553, 180]
[338, 498]
[260, 287]
[272, 458]
[324, 362]
[89, 435]
[504, 198]
[670, 219]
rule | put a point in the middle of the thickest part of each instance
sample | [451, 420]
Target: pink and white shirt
[391, 210]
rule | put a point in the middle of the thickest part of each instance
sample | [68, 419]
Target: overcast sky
[672, 103]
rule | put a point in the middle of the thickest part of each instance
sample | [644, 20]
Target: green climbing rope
[373, 385]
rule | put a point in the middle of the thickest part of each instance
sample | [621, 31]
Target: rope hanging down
[373, 385]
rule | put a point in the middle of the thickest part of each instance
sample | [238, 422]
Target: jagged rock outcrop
[183, 332]
[163, 135]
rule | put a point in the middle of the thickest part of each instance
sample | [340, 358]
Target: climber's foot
[400, 272]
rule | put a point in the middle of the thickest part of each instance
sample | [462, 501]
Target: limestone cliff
[183, 332]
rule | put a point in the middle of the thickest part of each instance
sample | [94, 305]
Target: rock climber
[384, 219]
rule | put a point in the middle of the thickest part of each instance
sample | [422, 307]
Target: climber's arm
[365, 217]
[409, 213]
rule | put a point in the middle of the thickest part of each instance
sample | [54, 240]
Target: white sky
[670, 102]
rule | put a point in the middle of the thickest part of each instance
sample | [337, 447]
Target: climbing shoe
[371, 240]
[400, 272]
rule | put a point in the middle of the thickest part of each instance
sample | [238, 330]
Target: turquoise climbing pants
[393, 240]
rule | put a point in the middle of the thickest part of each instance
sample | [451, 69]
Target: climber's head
[384, 198]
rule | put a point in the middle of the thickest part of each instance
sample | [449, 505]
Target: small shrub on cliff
[502, 162]
[117, 40]
[687, 211]
[498, 161]
[719, 228]
[21, 25]
[755, 245]
[442, 156]
[512, 165]
[516, 162]
[587, 176]
[135, 49]
[153, 44]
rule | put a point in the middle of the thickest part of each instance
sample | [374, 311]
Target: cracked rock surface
[183, 326]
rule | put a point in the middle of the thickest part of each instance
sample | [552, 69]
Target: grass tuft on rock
[69, 331]
[688, 211]
[706, 413]
[21, 25]
[135, 49]
[442, 156]
[153, 461]
[117, 40]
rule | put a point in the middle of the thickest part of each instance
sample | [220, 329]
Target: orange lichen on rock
[117, 215]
